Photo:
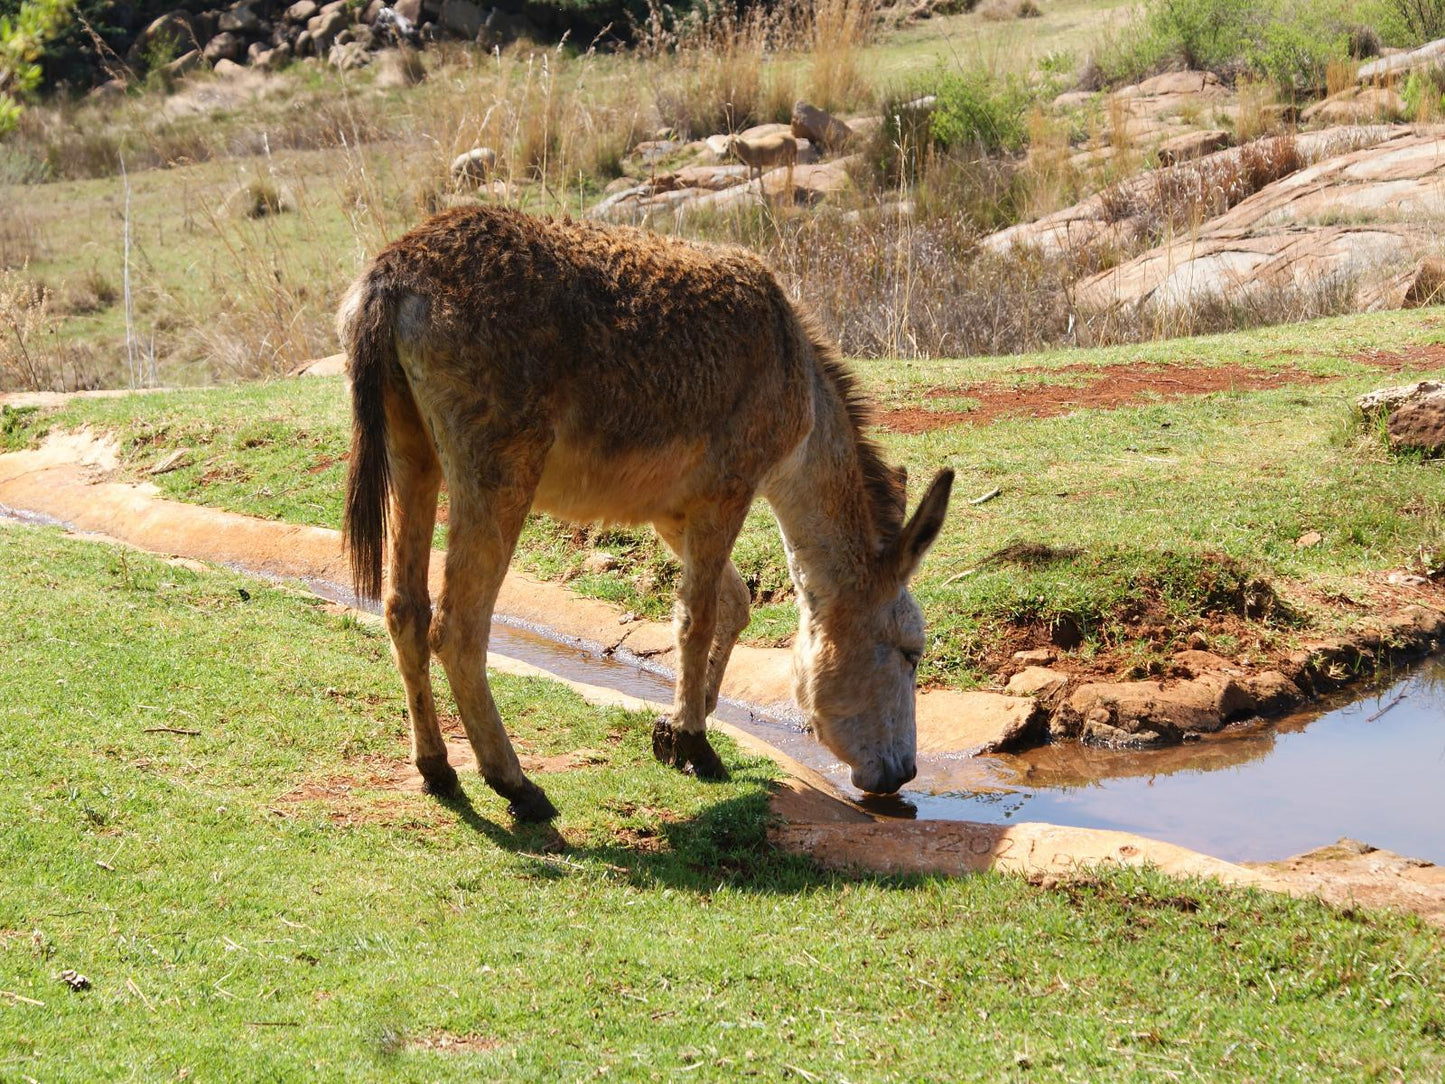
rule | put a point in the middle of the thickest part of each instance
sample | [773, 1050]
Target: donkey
[605, 373]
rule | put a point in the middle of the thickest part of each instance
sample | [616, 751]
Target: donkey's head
[855, 660]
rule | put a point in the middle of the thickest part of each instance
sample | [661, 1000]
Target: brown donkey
[611, 374]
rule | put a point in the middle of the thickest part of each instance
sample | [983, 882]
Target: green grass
[231, 931]
[1180, 514]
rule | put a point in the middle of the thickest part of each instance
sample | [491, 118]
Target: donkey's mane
[882, 485]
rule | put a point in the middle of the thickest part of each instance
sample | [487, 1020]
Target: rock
[302, 11]
[600, 561]
[1356, 105]
[651, 151]
[177, 459]
[463, 18]
[331, 365]
[240, 19]
[227, 70]
[974, 722]
[166, 35]
[474, 166]
[1074, 99]
[1309, 540]
[1044, 685]
[1193, 663]
[1177, 84]
[1190, 145]
[325, 28]
[1036, 656]
[1426, 56]
[410, 10]
[1419, 426]
[817, 126]
[1140, 713]
[705, 178]
[272, 59]
[184, 64]
[1383, 402]
[224, 46]
[348, 56]
[372, 10]
[1273, 693]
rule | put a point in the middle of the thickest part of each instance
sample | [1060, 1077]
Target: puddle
[1373, 769]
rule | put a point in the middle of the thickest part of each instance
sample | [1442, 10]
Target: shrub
[1422, 20]
[978, 110]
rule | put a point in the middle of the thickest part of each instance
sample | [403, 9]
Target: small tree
[22, 45]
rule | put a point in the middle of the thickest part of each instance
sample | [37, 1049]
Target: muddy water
[1373, 769]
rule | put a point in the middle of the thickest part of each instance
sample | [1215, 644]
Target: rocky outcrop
[1383, 68]
[1343, 220]
[1114, 217]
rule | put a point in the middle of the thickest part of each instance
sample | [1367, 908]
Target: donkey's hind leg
[707, 539]
[416, 478]
[481, 533]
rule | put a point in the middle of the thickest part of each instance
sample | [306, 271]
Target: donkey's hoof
[438, 777]
[664, 744]
[527, 802]
[686, 750]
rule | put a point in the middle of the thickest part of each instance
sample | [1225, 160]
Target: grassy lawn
[257, 901]
[1132, 526]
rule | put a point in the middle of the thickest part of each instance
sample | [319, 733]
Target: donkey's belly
[583, 483]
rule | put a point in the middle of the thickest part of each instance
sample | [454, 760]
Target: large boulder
[225, 46]
[240, 19]
[1191, 145]
[1382, 402]
[819, 127]
[173, 33]
[1382, 69]
[463, 18]
[1356, 105]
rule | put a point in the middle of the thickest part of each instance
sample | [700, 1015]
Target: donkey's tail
[366, 328]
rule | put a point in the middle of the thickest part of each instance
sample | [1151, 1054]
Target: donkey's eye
[912, 657]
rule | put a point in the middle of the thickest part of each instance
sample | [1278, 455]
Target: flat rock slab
[969, 723]
[952, 848]
[1350, 873]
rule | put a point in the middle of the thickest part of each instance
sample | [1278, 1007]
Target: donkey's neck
[821, 503]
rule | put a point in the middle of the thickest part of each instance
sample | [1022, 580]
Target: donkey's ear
[901, 559]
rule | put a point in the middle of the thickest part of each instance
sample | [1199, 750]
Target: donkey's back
[645, 365]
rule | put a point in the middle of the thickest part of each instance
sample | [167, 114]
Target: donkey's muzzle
[884, 778]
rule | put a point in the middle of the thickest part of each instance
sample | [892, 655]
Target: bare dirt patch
[1426, 356]
[1108, 387]
[444, 1042]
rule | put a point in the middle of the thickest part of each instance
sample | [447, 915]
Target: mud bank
[65, 481]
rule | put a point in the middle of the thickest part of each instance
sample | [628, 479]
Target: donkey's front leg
[682, 740]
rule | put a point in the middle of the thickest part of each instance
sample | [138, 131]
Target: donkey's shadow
[725, 841]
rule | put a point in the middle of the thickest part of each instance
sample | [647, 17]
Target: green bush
[1288, 42]
[975, 109]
